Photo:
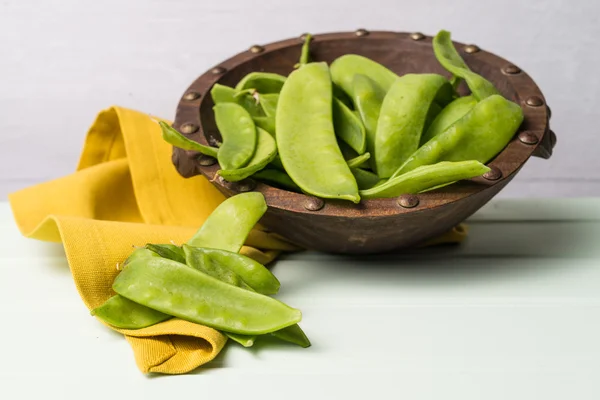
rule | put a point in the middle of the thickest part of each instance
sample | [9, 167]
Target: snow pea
[262, 82]
[402, 118]
[365, 179]
[225, 94]
[238, 133]
[306, 138]
[244, 340]
[228, 226]
[139, 253]
[266, 123]
[200, 260]
[266, 150]
[367, 98]
[434, 110]
[480, 135]
[173, 137]
[170, 251]
[252, 273]
[277, 178]
[344, 68]
[426, 177]
[176, 289]
[447, 55]
[454, 111]
[358, 161]
[348, 127]
[293, 334]
[124, 313]
[268, 102]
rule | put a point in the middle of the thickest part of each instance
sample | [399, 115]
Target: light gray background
[63, 61]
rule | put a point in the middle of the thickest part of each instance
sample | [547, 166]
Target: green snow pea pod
[447, 55]
[349, 127]
[434, 110]
[367, 98]
[201, 262]
[244, 340]
[277, 178]
[426, 177]
[176, 289]
[239, 135]
[306, 138]
[402, 118]
[266, 150]
[268, 102]
[344, 68]
[342, 96]
[254, 274]
[139, 253]
[170, 251]
[480, 135]
[225, 94]
[262, 82]
[365, 179]
[266, 123]
[293, 334]
[454, 111]
[124, 313]
[228, 226]
[173, 137]
[358, 161]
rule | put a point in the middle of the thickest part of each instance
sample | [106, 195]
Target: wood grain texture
[63, 61]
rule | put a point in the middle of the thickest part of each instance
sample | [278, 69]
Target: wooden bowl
[376, 225]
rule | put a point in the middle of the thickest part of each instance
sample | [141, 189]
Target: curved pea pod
[305, 52]
[244, 340]
[173, 137]
[454, 111]
[225, 94]
[238, 133]
[293, 334]
[266, 150]
[402, 118]
[124, 313]
[480, 135]
[266, 123]
[228, 226]
[263, 82]
[349, 127]
[434, 111]
[306, 138]
[139, 253]
[426, 177]
[365, 179]
[358, 161]
[268, 102]
[176, 289]
[367, 98]
[277, 178]
[170, 251]
[254, 274]
[447, 55]
[345, 67]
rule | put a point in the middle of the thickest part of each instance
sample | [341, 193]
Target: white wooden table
[513, 313]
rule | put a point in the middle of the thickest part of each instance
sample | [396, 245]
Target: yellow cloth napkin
[126, 193]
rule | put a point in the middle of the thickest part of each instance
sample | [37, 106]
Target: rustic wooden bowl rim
[508, 162]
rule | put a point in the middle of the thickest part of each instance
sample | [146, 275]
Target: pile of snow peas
[355, 130]
[205, 281]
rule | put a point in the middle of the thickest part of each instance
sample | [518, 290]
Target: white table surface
[514, 313]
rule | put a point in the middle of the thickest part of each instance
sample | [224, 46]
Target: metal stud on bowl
[314, 204]
[528, 138]
[493, 174]
[191, 96]
[218, 70]
[417, 36]
[256, 49]
[188, 128]
[408, 201]
[471, 48]
[534, 101]
[361, 32]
